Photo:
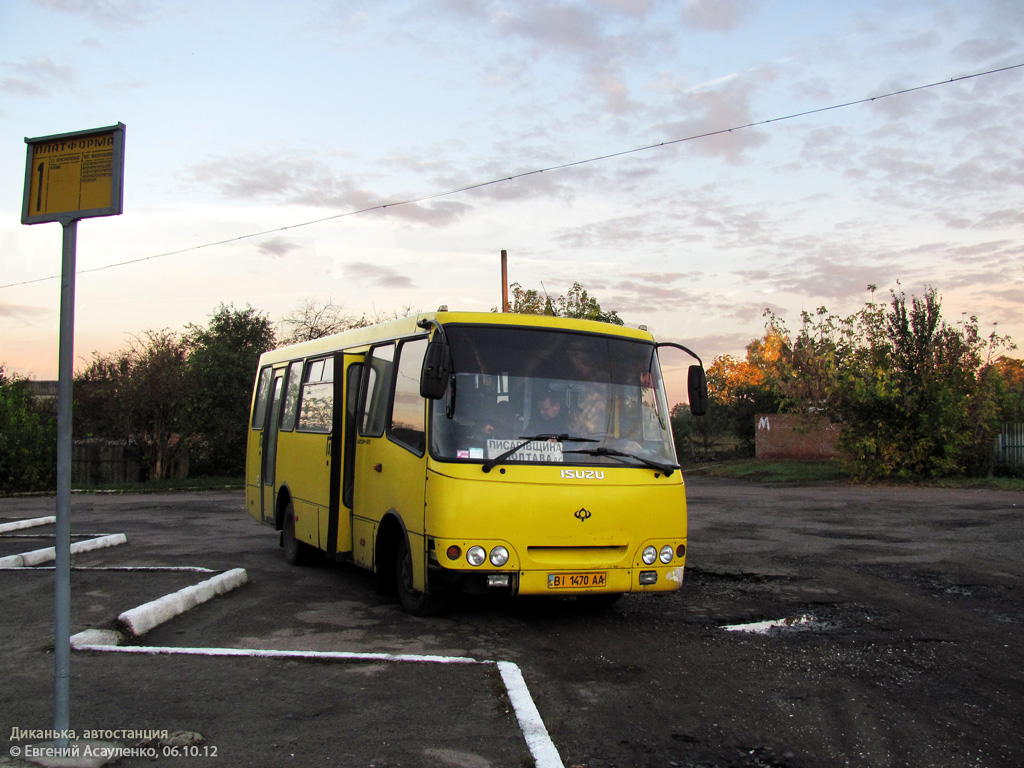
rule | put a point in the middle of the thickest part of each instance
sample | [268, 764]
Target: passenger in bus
[502, 422]
[591, 416]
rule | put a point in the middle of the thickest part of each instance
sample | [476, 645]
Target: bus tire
[295, 551]
[414, 602]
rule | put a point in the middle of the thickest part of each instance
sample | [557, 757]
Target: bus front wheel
[295, 551]
[414, 602]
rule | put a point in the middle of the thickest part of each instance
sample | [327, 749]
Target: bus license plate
[576, 580]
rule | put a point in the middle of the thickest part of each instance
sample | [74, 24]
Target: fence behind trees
[1010, 446]
[108, 462]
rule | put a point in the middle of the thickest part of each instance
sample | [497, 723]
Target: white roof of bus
[408, 326]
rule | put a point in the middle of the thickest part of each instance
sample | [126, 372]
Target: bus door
[268, 444]
[349, 368]
[389, 472]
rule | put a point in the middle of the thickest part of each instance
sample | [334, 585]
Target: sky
[246, 121]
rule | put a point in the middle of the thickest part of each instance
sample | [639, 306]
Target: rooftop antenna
[549, 308]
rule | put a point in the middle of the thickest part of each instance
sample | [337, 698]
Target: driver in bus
[551, 417]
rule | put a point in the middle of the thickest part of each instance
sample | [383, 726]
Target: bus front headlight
[666, 554]
[476, 555]
[499, 556]
[650, 555]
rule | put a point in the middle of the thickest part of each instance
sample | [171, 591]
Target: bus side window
[291, 397]
[259, 409]
[408, 417]
[316, 412]
[377, 390]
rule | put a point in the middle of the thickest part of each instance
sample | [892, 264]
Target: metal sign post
[68, 177]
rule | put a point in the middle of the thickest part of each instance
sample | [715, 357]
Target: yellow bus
[475, 452]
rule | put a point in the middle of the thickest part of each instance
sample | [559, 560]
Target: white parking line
[545, 755]
[37, 556]
[530, 723]
[145, 617]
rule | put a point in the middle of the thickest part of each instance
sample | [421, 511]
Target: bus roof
[408, 326]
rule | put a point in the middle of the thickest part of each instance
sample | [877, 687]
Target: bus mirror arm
[696, 381]
[437, 363]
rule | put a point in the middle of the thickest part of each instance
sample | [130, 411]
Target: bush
[28, 439]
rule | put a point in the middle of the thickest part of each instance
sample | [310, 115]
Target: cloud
[824, 269]
[528, 182]
[607, 233]
[647, 293]
[716, 15]
[301, 180]
[23, 312]
[119, 12]
[732, 343]
[717, 110]
[635, 8]
[552, 24]
[36, 77]
[596, 37]
[576, 30]
[981, 50]
[278, 246]
[376, 275]
[1003, 218]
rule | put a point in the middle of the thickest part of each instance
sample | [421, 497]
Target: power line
[524, 174]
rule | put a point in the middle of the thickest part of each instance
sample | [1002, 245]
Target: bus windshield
[528, 395]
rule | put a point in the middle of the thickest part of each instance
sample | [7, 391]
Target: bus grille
[576, 557]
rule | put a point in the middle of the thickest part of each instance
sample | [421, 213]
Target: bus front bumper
[564, 583]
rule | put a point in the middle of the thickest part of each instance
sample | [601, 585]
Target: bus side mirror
[437, 368]
[697, 388]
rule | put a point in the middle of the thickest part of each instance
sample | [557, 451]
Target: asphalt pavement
[898, 642]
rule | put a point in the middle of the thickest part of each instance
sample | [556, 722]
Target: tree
[28, 439]
[744, 388]
[695, 435]
[916, 396]
[313, 320]
[141, 395]
[908, 387]
[529, 302]
[222, 362]
[914, 403]
[1006, 376]
[577, 303]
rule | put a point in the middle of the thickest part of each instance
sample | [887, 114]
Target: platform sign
[74, 175]
[69, 176]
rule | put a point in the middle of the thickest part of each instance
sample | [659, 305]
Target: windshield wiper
[562, 438]
[668, 469]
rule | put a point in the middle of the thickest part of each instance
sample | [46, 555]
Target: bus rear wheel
[414, 602]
